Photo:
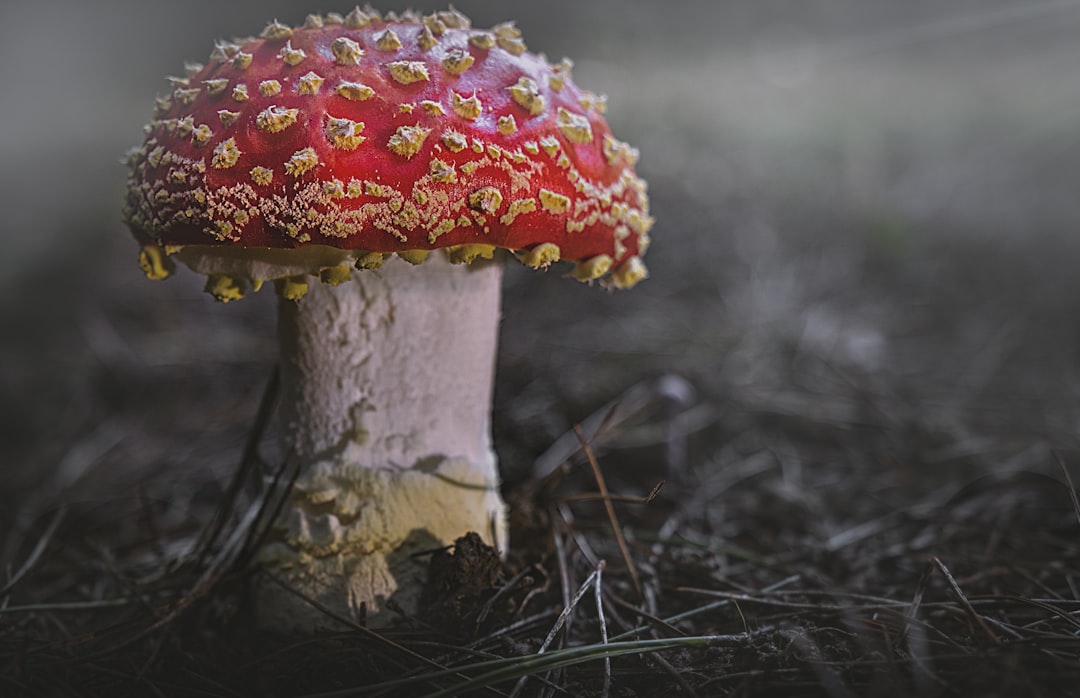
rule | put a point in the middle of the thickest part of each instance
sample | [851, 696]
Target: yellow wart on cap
[542, 256]
[408, 140]
[454, 141]
[269, 88]
[357, 19]
[506, 125]
[589, 100]
[216, 86]
[527, 94]
[354, 188]
[388, 41]
[467, 108]
[486, 199]
[414, 257]
[355, 91]
[454, 19]
[222, 230]
[155, 263]
[291, 56]
[276, 31]
[261, 175]
[202, 135]
[442, 172]
[224, 51]
[467, 254]
[629, 273]
[553, 202]
[370, 260]
[517, 208]
[407, 72]
[614, 149]
[184, 127]
[561, 73]
[309, 84]
[484, 40]
[550, 144]
[346, 51]
[344, 133]
[301, 161]
[225, 288]
[276, 119]
[575, 127]
[592, 268]
[334, 189]
[432, 108]
[435, 25]
[444, 227]
[457, 61]
[384, 191]
[335, 276]
[186, 96]
[291, 288]
[509, 38]
[427, 39]
[225, 154]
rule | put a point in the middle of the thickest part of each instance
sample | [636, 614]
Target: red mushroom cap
[390, 135]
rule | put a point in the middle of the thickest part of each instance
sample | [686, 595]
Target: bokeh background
[866, 222]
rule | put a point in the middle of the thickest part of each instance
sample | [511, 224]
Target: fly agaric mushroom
[311, 157]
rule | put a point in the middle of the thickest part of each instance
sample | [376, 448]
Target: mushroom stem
[386, 387]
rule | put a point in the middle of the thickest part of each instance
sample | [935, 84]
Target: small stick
[256, 536]
[964, 601]
[606, 691]
[580, 540]
[564, 590]
[559, 622]
[916, 603]
[625, 498]
[624, 549]
[564, 569]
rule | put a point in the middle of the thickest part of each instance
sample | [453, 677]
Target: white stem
[386, 406]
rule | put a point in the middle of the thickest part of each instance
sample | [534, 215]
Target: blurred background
[866, 217]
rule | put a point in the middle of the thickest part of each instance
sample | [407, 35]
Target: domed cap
[352, 137]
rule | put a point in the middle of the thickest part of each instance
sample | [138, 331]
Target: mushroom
[372, 168]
